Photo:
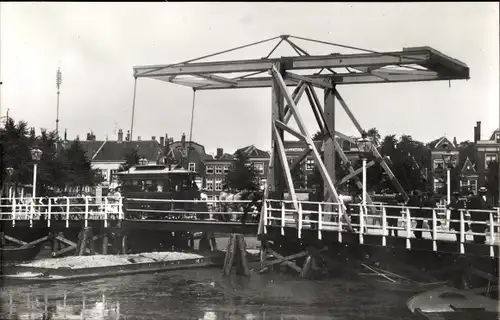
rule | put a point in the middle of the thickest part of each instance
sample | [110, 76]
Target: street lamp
[36, 156]
[365, 148]
[143, 161]
[447, 159]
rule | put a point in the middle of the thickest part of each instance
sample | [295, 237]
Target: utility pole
[58, 86]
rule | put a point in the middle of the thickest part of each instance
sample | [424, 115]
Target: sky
[97, 44]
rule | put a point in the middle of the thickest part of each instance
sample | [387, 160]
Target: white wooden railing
[329, 218]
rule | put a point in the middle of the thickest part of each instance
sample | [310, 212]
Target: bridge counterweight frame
[408, 65]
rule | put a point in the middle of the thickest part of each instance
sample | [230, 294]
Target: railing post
[49, 212]
[462, 233]
[361, 223]
[106, 207]
[32, 208]
[384, 226]
[14, 213]
[299, 224]
[434, 232]
[492, 235]
[67, 212]
[264, 212]
[408, 229]
[282, 218]
[339, 213]
[86, 212]
[121, 215]
[320, 221]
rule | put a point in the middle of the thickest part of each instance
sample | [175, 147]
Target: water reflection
[46, 307]
[202, 294]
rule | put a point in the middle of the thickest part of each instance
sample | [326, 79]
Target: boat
[19, 253]
[449, 303]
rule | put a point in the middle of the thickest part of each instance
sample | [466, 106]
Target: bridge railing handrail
[299, 220]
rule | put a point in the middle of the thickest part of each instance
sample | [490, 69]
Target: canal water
[205, 294]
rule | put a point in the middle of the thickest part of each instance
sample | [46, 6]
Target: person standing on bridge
[393, 212]
[456, 205]
[479, 202]
[415, 202]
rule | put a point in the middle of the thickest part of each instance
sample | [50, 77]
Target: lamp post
[58, 86]
[143, 161]
[36, 156]
[447, 159]
[365, 147]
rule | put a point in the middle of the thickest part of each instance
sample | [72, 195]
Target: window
[209, 184]
[114, 176]
[259, 167]
[438, 184]
[218, 184]
[473, 185]
[226, 169]
[488, 158]
[218, 169]
[104, 173]
[192, 166]
[309, 164]
[210, 169]
[438, 164]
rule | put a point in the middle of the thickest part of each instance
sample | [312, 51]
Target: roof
[154, 170]
[493, 135]
[439, 143]
[226, 157]
[468, 166]
[252, 152]
[301, 144]
[115, 150]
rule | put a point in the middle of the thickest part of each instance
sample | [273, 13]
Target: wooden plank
[11, 239]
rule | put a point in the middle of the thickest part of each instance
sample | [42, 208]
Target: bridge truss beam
[408, 65]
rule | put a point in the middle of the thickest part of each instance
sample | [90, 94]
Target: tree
[242, 175]
[131, 159]
[79, 172]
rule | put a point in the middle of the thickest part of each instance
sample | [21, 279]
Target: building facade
[486, 152]
[108, 156]
[217, 168]
[438, 172]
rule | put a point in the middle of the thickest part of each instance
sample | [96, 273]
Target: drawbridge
[307, 74]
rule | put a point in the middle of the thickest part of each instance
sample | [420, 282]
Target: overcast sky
[97, 44]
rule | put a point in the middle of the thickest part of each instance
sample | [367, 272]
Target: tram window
[159, 186]
[135, 182]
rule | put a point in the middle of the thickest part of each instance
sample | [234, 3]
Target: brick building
[217, 168]
[486, 151]
[438, 168]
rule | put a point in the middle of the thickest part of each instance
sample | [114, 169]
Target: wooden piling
[124, 244]
[105, 242]
[55, 243]
[2, 239]
[213, 241]
[236, 252]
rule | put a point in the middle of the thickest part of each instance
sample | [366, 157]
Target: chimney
[455, 141]
[128, 135]
[120, 135]
[477, 132]
[65, 134]
[220, 152]
[153, 138]
[89, 137]
[162, 141]
[138, 138]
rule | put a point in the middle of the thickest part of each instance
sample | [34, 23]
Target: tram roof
[154, 169]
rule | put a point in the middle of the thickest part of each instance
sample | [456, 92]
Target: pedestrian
[479, 218]
[456, 205]
[393, 212]
[415, 204]
[355, 211]
[428, 205]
